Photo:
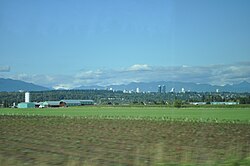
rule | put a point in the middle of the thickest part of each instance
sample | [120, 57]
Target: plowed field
[41, 140]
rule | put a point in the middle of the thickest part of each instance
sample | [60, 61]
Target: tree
[177, 103]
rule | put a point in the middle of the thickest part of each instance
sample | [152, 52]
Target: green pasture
[151, 113]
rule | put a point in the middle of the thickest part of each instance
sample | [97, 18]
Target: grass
[125, 136]
[151, 113]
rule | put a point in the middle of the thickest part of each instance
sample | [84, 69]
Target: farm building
[61, 103]
[66, 103]
[78, 102]
[224, 103]
[53, 104]
[198, 103]
[87, 102]
[38, 104]
[26, 105]
[72, 102]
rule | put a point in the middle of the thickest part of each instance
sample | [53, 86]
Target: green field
[125, 136]
[150, 113]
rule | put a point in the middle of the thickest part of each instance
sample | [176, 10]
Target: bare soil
[33, 140]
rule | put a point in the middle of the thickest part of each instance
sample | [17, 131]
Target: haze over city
[67, 44]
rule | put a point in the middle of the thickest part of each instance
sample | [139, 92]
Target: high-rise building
[137, 90]
[163, 89]
[159, 88]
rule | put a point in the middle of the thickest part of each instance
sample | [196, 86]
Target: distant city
[10, 85]
[12, 94]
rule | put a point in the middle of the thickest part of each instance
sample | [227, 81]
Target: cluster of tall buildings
[161, 88]
[137, 90]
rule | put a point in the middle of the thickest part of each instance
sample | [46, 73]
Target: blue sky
[68, 43]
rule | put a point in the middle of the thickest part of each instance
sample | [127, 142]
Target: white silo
[27, 97]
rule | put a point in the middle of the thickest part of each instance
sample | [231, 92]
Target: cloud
[230, 74]
[63, 86]
[89, 74]
[45, 80]
[212, 74]
[4, 68]
[139, 67]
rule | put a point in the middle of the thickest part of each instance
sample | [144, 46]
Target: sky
[72, 43]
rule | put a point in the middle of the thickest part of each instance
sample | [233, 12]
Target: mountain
[241, 87]
[90, 87]
[188, 86]
[153, 86]
[9, 85]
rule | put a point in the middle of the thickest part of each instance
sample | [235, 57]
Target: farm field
[149, 113]
[124, 136]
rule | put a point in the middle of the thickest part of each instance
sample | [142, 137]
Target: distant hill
[9, 85]
[194, 87]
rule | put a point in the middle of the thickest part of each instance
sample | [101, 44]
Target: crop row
[141, 118]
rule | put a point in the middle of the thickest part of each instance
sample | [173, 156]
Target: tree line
[106, 97]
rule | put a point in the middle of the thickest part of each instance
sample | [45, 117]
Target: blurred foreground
[34, 140]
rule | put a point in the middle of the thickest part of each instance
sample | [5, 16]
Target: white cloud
[213, 74]
[88, 74]
[63, 86]
[4, 68]
[139, 67]
[44, 80]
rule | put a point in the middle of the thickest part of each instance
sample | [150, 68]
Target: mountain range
[178, 86]
[10, 85]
